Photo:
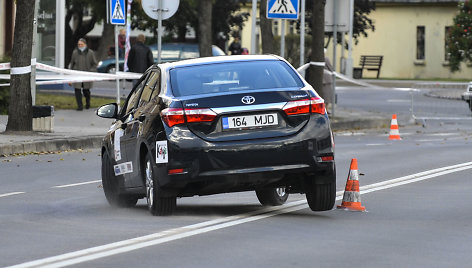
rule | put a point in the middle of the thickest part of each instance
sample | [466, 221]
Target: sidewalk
[84, 130]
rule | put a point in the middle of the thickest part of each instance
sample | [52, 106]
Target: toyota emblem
[248, 99]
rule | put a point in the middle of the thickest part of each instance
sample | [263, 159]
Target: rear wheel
[320, 197]
[111, 186]
[157, 205]
[272, 196]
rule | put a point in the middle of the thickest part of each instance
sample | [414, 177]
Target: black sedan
[219, 125]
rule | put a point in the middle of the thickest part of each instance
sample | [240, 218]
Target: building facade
[411, 35]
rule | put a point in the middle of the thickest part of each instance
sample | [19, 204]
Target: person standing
[121, 43]
[83, 59]
[235, 47]
[139, 57]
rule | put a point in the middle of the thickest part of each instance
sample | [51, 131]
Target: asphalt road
[51, 205]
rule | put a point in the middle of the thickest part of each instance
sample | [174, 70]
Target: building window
[446, 47]
[291, 27]
[420, 30]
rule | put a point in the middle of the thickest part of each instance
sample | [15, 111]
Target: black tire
[111, 69]
[111, 186]
[320, 197]
[272, 197]
[157, 205]
[470, 105]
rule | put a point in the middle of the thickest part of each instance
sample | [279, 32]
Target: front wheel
[157, 205]
[272, 196]
[111, 186]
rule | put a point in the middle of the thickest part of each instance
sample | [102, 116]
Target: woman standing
[83, 59]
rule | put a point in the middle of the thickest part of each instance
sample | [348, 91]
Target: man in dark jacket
[140, 56]
[83, 59]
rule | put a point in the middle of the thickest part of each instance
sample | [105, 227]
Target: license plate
[257, 120]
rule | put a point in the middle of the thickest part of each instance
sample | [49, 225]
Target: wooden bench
[370, 63]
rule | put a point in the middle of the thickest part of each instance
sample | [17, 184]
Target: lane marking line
[10, 194]
[217, 224]
[76, 184]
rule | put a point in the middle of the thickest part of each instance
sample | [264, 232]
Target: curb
[61, 144]
[360, 124]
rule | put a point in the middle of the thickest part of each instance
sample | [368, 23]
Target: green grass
[66, 101]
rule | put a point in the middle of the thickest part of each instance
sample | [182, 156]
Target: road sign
[169, 7]
[117, 12]
[282, 9]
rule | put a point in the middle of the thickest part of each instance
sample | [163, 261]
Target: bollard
[43, 118]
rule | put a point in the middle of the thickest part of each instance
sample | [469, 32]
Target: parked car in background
[218, 125]
[467, 95]
[170, 52]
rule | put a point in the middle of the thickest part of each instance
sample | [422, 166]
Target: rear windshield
[233, 76]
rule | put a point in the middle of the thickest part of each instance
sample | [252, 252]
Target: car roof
[217, 59]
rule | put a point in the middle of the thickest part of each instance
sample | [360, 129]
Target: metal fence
[439, 101]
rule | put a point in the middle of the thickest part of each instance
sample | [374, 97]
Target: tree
[315, 74]
[267, 37]
[204, 29]
[20, 109]
[459, 38]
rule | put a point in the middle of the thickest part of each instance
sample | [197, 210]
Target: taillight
[317, 106]
[199, 115]
[175, 116]
[312, 105]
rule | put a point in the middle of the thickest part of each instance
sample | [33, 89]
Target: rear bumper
[213, 167]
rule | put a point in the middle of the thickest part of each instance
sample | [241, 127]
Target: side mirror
[108, 110]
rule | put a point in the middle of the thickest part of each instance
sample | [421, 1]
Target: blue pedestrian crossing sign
[283, 9]
[117, 12]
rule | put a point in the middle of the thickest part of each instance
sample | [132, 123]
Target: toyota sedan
[219, 125]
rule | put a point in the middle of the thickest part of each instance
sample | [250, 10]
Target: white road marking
[395, 101]
[208, 226]
[10, 194]
[76, 184]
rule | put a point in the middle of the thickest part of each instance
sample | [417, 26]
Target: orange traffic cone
[352, 196]
[394, 132]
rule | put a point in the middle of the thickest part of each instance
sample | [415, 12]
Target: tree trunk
[204, 27]
[20, 111]
[315, 73]
[267, 37]
[107, 40]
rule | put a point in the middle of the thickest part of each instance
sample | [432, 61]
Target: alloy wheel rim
[149, 185]
[280, 191]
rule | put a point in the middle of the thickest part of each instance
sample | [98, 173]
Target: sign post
[160, 10]
[116, 15]
[284, 10]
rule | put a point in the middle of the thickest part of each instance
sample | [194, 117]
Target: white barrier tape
[7, 65]
[305, 66]
[4, 66]
[302, 69]
[20, 70]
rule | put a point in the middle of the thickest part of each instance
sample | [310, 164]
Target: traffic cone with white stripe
[394, 132]
[352, 196]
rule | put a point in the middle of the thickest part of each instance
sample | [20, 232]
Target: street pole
[34, 49]
[282, 39]
[159, 30]
[253, 26]
[335, 42]
[117, 66]
[302, 33]
[349, 53]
